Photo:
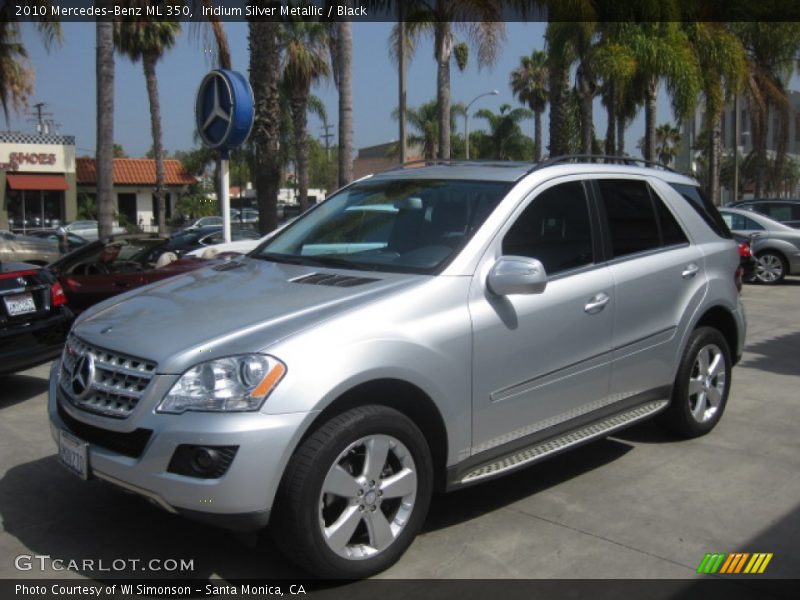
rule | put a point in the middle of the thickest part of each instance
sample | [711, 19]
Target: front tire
[702, 385]
[771, 267]
[355, 494]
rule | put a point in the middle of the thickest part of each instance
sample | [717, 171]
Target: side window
[780, 211]
[554, 228]
[738, 222]
[671, 232]
[632, 220]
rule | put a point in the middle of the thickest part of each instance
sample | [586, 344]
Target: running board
[554, 445]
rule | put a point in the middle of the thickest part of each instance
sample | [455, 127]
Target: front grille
[128, 444]
[116, 384]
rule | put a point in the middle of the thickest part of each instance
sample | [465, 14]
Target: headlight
[235, 383]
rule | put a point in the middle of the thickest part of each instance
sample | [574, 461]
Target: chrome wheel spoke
[340, 483]
[702, 362]
[714, 397]
[717, 363]
[377, 452]
[699, 408]
[695, 386]
[341, 530]
[380, 532]
[399, 485]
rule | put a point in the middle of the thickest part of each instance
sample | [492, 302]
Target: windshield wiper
[280, 258]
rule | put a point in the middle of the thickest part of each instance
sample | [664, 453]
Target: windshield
[411, 226]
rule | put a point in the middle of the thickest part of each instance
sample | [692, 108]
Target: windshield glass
[411, 226]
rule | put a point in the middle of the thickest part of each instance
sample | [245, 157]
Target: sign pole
[224, 196]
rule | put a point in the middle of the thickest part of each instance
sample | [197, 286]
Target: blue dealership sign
[224, 109]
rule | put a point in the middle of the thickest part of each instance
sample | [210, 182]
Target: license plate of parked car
[19, 304]
[74, 454]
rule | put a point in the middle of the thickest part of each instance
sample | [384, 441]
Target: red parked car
[108, 267]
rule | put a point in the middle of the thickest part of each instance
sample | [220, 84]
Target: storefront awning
[37, 182]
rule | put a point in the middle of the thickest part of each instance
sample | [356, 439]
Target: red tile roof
[134, 171]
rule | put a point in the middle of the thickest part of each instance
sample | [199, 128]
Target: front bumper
[241, 499]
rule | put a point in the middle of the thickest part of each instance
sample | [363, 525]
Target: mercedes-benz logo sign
[82, 376]
[214, 117]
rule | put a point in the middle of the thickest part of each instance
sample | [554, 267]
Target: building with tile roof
[134, 186]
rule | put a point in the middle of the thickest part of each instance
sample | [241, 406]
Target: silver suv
[423, 329]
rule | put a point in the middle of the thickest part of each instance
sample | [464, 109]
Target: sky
[65, 81]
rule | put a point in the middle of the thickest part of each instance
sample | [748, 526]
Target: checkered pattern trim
[15, 137]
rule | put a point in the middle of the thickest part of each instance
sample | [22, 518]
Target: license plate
[74, 454]
[20, 304]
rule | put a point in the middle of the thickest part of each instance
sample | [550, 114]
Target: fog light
[205, 462]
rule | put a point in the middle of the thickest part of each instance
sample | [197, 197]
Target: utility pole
[327, 137]
[42, 123]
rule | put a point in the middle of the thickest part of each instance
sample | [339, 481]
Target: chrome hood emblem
[82, 376]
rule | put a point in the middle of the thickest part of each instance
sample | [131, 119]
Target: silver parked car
[776, 246]
[423, 329]
[27, 248]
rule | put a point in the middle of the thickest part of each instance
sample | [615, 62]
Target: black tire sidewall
[325, 449]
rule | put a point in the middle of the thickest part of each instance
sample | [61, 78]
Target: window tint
[704, 207]
[555, 228]
[671, 232]
[631, 218]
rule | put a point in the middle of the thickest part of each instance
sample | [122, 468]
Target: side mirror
[517, 275]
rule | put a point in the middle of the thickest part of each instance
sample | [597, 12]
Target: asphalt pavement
[639, 505]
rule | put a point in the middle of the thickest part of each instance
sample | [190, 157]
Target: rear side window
[739, 222]
[638, 220]
[707, 211]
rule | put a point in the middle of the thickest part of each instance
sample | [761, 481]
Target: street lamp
[466, 118]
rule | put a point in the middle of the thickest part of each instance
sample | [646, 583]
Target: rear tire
[702, 385]
[771, 268]
[355, 494]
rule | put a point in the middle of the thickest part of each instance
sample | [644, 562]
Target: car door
[659, 280]
[542, 360]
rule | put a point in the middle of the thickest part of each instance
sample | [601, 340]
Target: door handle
[597, 303]
[690, 271]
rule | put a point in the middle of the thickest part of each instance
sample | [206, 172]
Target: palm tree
[667, 139]
[105, 126]
[344, 83]
[16, 75]
[265, 75]
[771, 50]
[722, 62]
[147, 41]
[480, 20]
[425, 120]
[529, 85]
[505, 139]
[305, 61]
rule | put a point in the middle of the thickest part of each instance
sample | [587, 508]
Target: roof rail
[454, 161]
[602, 158]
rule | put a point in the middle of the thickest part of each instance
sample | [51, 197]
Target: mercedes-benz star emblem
[216, 110]
[82, 376]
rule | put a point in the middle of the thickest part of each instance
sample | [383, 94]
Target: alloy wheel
[707, 383]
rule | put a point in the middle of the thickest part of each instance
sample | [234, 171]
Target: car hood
[240, 306]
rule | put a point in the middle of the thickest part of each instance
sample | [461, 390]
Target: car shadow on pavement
[19, 388]
[52, 512]
[473, 502]
[775, 355]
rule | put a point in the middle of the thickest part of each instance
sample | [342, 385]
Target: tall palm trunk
[620, 135]
[443, 50]
[714, 141]
[537, 136]
[401, 91]
[105, 126]
[586, 96]
[299, 104]
[344, 52]
[149, 64]
[264, 79]
[611, 119]
[559, 99]
[650, 119]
